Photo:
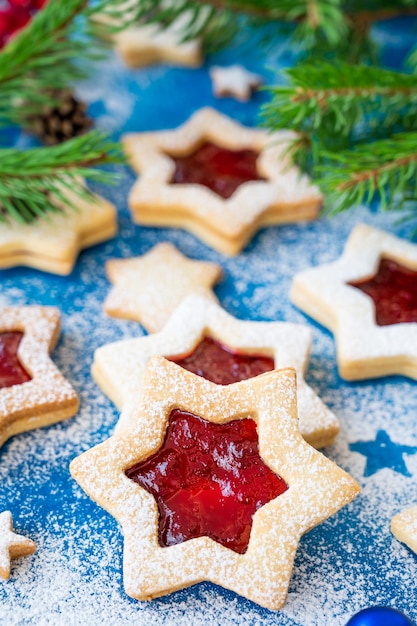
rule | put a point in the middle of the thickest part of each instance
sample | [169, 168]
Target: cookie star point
[404, 527]
[148, 288]
[147, 45]
[12, 545]
[317, 487]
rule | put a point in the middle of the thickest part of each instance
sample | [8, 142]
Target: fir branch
[31, 179]
[218, 21]
[317, 21]
[385, 168]
[332, 106]
[49, 53]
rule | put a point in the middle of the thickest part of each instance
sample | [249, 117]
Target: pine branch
[386, 168]
[217, 22]
[30, 180]
[50, 53]
[337, 92]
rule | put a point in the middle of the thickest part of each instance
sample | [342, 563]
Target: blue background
[349, 562]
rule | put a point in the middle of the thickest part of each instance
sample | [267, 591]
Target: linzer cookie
[368, 299]
[212, 482]
[201, 337]
[404, 527]
[149, 288]
[52, 244]
[218, 179]
[12, 545]
[33, 392]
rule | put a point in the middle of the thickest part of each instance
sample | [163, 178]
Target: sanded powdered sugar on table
[349, 562]
[79, 556]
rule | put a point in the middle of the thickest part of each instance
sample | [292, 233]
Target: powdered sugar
[347, 563]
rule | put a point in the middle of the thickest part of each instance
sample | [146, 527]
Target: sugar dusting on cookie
[47, 397]
[344, 564]
[119, 368]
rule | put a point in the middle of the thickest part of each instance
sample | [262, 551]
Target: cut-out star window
[11, 370]
[208, 480]
[393, 290]
[217, 168]
[223, 366]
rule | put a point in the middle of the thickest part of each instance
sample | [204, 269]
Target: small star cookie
[235, 81]
[367, 298]
[149, 288]
[12, 545]
[404, 527]
[265, 406]
[52, 243]
[145, 44]
[33, 392]
[148, 44]
[119, 367]
[218, 179]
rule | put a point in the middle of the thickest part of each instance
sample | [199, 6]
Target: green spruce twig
[30, 180]
[386, 169]
[51, 52]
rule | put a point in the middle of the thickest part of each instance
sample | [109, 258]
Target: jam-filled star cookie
[368, 299]
[147, 289]
[214, 483]
[12, 545]
[52, 243]
[404, 527]
[33, 392]
[218, 179]
[203, 338]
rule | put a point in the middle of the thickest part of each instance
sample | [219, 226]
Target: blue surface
[351, 561]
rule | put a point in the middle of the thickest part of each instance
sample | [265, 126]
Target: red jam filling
[223, 366]
[219, 169]
[394, 292]
[11, 371]
[208, 480]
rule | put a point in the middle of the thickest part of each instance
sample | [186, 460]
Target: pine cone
[62, 121]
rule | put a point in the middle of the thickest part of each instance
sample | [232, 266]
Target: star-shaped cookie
[46, 396]
[332, 295]
[52, 243]
[149, 288]
[146, 44]
[404, 527]
[272, 191]
[119, 367]
[317, 487]
[12, 545]
[235, 81]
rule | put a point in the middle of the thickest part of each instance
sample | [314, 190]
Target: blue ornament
[380, 616]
